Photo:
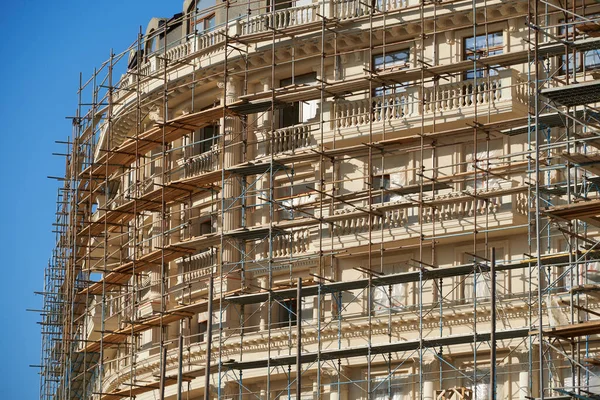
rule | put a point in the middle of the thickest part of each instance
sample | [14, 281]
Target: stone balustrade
[202, 163]
[281, 19]
[357, 224]
[457, 97]
[257, 342]
[347, 9]
[292, 243]
[467, 93]
[196, 267]
[291, 138]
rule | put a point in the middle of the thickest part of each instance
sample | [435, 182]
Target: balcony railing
[294, 242]
[450, 206]
[196, 267]
[201, 163]
[281, 19]
[354, 225]
[347, 9]
[291, 138]
[437, 100]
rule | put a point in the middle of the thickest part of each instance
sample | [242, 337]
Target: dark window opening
[298, 112]
[381, 183]
[287, 313]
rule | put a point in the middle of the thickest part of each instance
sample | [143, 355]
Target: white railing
[179, 51]
[290, 244]
[380, 108]
[449, 206]
[196, 267]
[281, 19]
[466, 93]
[291, 138]
[201, 163]
[347, 9]
[357, 224]
[145, 69]
[504, 87]
[211, 38]
[521, 203]
[461, 208]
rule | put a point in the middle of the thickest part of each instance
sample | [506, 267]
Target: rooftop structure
[334, 200]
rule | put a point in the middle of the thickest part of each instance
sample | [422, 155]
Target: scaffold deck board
[123, 273]
[137, 389]
[404, 277]
[389, 78]
[575, 330]
[325, 355]
[549, 120]
[125, 154]
[582, 209]
[589, 162]
[121, 335]
[575, 94]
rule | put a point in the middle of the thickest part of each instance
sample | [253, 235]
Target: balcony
[448, 104]
[281, 19]
[192, 274]
[449, 213]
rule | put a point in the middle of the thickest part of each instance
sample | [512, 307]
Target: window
[298, 112]
[287, 313]
[483, 280]
[578, 61]
[392, 60]
[482, 46]
[198, 332]
[279, 4]
[381, 182]
[486, 157]
[151, 42]
[203, 23]
[389, 388]
[204, 139]
[293, 196]
[392, 297]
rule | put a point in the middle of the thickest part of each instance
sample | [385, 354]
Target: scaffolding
[338, 199]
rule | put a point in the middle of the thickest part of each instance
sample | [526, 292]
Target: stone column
[523, 360]
[264, 311]
[231, 191]
[430, 368]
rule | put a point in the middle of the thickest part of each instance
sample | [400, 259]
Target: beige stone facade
[380, 154]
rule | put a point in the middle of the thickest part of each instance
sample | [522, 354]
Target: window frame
[381, 67]
[295, 108]
[486, 71]
[579, 58]
[196, 20]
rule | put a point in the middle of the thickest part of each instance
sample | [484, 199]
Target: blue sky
[45, 45]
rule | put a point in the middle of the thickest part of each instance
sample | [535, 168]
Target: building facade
[333, 200]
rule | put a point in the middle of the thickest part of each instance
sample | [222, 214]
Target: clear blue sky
[44, 46]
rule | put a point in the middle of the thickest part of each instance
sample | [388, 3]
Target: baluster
[347, 118]
[481, 93]
[468, 89]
